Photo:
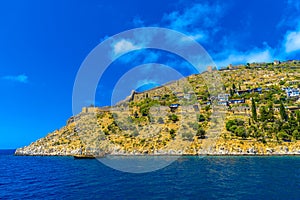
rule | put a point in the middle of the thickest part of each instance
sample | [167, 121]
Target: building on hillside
[208, 103]
[196, 108]
[174, 107]
[223, 97]
[291, 92]
[258, 90]
[209, 68]
[292, 108]
[179, 95]
[236, 101]
[294, 82]
[156, 97]
[223, 103]
[189, 95]
[240, 92]
[92, 109]
[276, 62]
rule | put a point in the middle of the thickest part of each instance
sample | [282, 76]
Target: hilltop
[250, 109]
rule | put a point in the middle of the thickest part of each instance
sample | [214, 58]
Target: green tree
[173, 118]
[136, 115]
[200, 133]
[231, 91]
[144, 110]
[207, 108]
[271, 112]
[172, 133]
[201, 118]
[296, 135]
[283, 135]
[232, 125]
[282, 112]
[281, 82]
[292, 122]
[297, 116]
[233, 87]
[240, 132]
[253, 108]
[263, 113]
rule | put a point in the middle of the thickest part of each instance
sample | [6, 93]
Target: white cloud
[123, 46]
[238, 57]
[292, 42]
[141, 57]
[290, 21]
[197, 14]
[198, 21]
[19, 78]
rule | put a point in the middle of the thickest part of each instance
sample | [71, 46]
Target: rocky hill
[244, 110]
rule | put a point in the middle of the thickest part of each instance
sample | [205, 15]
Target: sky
[44, 43]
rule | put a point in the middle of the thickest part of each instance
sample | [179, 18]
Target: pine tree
[282, 112]
[254, 113]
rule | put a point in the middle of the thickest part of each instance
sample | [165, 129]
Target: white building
[223, 97]
[292, 92]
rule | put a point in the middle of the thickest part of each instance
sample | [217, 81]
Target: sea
[189, 177]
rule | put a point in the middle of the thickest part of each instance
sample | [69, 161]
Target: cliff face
[60, 142]
[187, 116]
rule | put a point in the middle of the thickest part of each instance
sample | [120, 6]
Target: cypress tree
[263, 114]
[282, 112]
[270, 112]
[298, 115]
[253, 108]
[233, 87]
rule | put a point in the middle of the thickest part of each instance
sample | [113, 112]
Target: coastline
[124, 130]
[178, 155]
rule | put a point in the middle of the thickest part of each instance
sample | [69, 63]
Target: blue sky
[43, 44]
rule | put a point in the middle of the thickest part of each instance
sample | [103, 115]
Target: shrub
[160, 120]
[172, 133]
[296, 134]
[115, 115]
[236, 126]
[173, 118]
[201, 118]
[284, 136]
[187, 136]
[135, 133]
[240, 131]
[281, 82]
[236, 122]
[200, 133]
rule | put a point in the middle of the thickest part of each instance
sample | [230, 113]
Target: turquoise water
[186, 178]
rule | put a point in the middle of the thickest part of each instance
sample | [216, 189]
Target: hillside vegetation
[250, 109]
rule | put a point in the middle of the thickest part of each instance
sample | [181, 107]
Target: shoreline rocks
[284, 151]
